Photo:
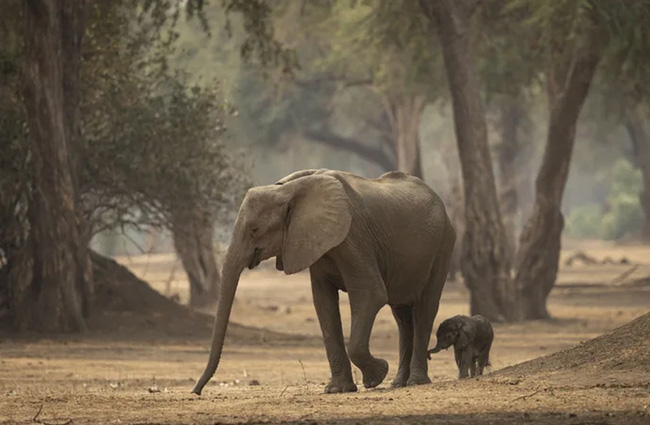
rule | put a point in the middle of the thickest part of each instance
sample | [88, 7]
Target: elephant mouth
[255, 259]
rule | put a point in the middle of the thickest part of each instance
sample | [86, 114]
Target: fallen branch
[619, 280]
[523, 397]
[38, 421]
[580, 256]
[40, 409]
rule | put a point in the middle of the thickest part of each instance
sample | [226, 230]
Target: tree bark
[568, 82]
[73, 21]
[485, 263]
[193, 241]
[511, 114]
[454, 205]
[48, 278]
[641, 147]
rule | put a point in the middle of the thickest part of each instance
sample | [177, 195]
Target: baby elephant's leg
[463, 359]
[483, 360]
[472, 367]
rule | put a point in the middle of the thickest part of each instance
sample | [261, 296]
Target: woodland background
[136, 127]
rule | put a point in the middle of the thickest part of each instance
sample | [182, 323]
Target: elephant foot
[374, 373]
[400, 380]
[340, 385]
[418, 380]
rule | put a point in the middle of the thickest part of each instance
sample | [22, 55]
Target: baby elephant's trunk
[434, 350]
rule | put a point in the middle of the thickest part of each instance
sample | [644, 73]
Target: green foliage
[153, 143]
[626, 179]
[508, 54]
[622, 215]
[388, 44]
[585, 221]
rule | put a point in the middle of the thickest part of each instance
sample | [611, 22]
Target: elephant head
[450, 332]
[297, 221]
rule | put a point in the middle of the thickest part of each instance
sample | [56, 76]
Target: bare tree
[567, 84]
[485, 264]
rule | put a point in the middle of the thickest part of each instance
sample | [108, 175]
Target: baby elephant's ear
[464, 336]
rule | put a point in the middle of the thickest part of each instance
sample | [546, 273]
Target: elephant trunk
[437, 348]
[232, 269]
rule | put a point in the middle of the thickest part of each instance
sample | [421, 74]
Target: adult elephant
[383, 241]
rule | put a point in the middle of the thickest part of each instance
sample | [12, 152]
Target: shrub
[621, 217]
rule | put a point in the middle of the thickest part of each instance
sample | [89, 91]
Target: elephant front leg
[404, 317]
[365, 304]
[326, 301]
[463, 360]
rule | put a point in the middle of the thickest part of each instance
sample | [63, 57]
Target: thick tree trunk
[511, 114]
[485, 263]
[193, 241]
[641, 145]
[404, 114]
[73, 27]
[538, 257]
[49, 285]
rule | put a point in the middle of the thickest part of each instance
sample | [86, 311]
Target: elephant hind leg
[404, 317]
[425, 310]
[484, 359]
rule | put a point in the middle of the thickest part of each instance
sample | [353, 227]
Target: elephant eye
[254, 230]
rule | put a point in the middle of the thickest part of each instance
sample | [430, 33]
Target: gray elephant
[383, 241]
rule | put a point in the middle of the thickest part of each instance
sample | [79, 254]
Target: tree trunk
[49, 285]
[454, 205]
[641, 145]
[193, 241]
[511, 113]
[485, 263]
[404, 114]
[73, 28]
[538, 257]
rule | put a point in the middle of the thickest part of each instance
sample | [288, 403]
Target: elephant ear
[464, 335]
[318, 219]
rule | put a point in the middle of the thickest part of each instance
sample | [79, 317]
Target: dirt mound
[127, 306]
[623, 352]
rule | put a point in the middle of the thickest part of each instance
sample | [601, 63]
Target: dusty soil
[142, 370]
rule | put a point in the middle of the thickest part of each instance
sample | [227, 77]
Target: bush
[622, 215]
[585, 221]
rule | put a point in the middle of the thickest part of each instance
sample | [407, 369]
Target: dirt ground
[145, 377]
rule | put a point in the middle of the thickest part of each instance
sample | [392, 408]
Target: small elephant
[383, 241]
[472, 339]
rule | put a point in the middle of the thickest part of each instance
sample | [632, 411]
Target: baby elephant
[471, 337]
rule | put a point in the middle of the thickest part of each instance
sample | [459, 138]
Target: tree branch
[372, 154]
